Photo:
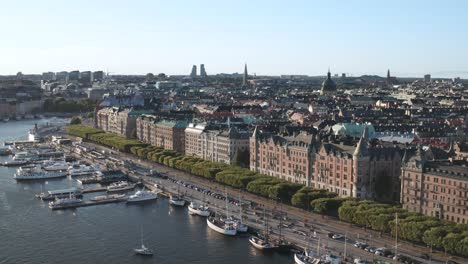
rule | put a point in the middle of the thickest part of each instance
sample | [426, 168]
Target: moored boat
[35, 174]
[64, 202]
[120, 186]
[198, 209]
[141, 196]
[221, 226]
[63, 193]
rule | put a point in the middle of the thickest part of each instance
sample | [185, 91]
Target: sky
[411, 38]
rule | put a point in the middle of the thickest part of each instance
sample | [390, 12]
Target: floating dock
[89, 203]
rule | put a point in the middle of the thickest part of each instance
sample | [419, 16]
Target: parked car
[370, 249]
[330, 235]
[337, 236]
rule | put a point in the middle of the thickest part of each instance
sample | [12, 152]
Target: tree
[75, 120]
[241, 158]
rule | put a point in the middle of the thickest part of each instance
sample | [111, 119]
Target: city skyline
[356, 38]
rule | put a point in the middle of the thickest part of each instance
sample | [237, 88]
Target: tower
[193, 74]
[254, 150]
[202, 71]
[361, 162]
[388, 74]
[245, 77]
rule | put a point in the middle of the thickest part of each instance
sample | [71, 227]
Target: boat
[78, 170]
[6, 119]
[263, 242]
[221, 225]
[197, 209]
[35, 174]
[56, 166]
[307, 259]
[16, 162]
[143, 250]
[107, 197]
[64, 202]
[241, 228]
[141, 196]
[64, 193]
[120, 186]
[176, 200]
[5, 151]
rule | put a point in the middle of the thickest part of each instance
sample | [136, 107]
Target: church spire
[361, 148]
[328, 73]
[246, 76]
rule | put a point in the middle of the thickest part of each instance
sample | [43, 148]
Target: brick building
[166, 134]
[435, 188]
[351, 171]
[289, 158]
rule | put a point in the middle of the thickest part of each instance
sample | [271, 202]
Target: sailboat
[309, 258]
[263, 243]
[221, 225]
[240, 227]
[143, 250]
[201, 210]
[177, 200]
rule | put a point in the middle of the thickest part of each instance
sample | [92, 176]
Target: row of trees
[380, 217]
[61, 105]
[413, 227]
[101, 137]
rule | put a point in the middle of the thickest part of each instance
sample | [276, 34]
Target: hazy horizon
[298, 37]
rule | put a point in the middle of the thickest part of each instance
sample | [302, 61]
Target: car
[359, 261]
[370, 249]
[330, 235]
[337, 236]
[360, 245]
[379, 253]
[424, 256]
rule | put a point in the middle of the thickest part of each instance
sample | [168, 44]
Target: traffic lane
[407, 249]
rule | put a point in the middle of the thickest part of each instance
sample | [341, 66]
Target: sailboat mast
[396, 234]
[227, 209]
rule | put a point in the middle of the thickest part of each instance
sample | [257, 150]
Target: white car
[359, 261]
[337, 236]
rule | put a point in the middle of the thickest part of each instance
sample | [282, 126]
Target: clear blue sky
[410, 37]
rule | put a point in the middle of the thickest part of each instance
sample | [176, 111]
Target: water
[32, 233]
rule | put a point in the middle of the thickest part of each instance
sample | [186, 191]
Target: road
[322, 225]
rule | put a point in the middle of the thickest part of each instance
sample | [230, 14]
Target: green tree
[75, 120]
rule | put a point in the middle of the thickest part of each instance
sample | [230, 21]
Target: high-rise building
[202, 71]
[193, 74]
[48, 76]
[74, 76]
[98, 76]
[61, 76]
[86, 76]
[245, 78]
[427, 78]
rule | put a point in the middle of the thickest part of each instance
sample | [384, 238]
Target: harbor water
[32, 233]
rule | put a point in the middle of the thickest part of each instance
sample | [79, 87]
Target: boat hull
[140, 200]
[231, 232]
[195, 211]
[256, 245]
[177, 202]
[44, 177]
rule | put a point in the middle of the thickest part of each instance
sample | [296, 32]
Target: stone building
[217, 145]
[118, 121]
[435, 188]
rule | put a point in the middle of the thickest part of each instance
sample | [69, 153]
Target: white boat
[143, 250]
[16, 162]
[107, 197]
[222, 226]
[78, 170]
[307, 259]
[176, 200]
[120, 186]
[198, 209]
[4, 151]
[56, 166]
[142, 195]
[35, 174]
[262, 244]
[65, 202]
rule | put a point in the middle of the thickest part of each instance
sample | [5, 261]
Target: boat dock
[89, 203]
[97, 189]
